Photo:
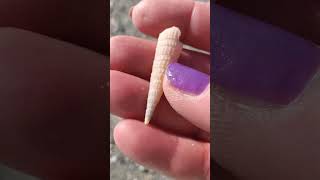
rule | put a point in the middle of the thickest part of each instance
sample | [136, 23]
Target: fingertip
[138, 15]
[140, 143]
[116, 58]
[167, 153]
[126, 139]
[192, 17]
[187, 80]
[117, 131]
[188, 92]
[152, 16]
[130, 11]
[124, 131]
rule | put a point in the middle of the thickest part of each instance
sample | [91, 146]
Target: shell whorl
[168, 48]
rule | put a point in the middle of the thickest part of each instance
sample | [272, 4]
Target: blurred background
[11, 174]
[121, 167]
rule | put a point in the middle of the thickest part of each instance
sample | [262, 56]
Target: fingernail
[258, 60]
[130, 11]
[187, 79]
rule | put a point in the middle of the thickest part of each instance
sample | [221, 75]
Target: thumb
[266, 121]
[188, 92]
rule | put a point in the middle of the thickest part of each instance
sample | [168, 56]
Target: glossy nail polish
[186, 79]
[254, 59]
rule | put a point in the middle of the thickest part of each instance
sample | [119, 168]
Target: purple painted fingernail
[255, 59]
[187, 79]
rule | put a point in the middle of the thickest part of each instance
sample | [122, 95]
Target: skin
[254, 139]
[84, 23]
[299, 17]
[178, 137]
[263, 145]
[46, 129]
[27, 145]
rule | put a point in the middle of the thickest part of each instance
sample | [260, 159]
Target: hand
[83, 23]
[266, 117]
[53, 93]
[177, 141]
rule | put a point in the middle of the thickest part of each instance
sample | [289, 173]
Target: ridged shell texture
[168, 48]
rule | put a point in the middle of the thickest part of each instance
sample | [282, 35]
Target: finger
[135, 56]
[309, 29]
[77, 20]
[176, 156]
[193, 19]
[268, 114]
[128, 100]
[271, 69]
[53, 107]
[188, 92]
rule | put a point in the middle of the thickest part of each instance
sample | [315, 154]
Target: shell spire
[168, 48]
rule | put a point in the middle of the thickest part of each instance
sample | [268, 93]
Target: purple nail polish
[254, 59]
[187, 79]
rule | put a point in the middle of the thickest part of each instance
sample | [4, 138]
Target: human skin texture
[256, 59]
[84, 23]
[53, 107]
[256, 137]
[53, 93]
[176, 140]
[299, 17]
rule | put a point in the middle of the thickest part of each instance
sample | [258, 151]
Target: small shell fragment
[168, 48]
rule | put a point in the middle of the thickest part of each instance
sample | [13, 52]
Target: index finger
[193, 19]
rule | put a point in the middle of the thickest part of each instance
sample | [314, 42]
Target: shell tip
[146, 121]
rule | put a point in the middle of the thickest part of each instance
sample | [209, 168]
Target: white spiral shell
[168, 48]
